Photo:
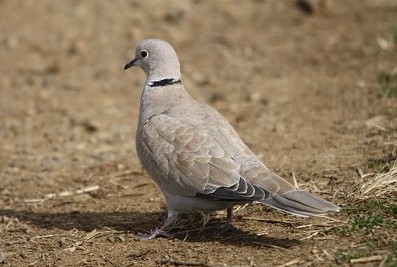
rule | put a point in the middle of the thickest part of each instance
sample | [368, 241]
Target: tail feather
[301, 203]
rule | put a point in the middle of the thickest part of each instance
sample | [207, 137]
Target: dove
[195, 156]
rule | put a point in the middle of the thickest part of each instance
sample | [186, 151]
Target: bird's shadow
[136, 222]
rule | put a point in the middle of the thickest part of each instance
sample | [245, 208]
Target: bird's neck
[160, 96]
[163, 82]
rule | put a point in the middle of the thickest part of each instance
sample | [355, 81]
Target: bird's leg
[161, 230]
[229, 216]
[229, 219]
[229, 223]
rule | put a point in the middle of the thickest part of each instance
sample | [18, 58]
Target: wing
[193, 161]
[252, 169]
[203, 155]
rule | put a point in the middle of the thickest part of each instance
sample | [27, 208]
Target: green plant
[387, 84]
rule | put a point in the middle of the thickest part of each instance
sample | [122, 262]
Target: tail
[300, 203]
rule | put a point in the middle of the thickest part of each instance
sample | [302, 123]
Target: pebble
[62, 242]
[2, 257]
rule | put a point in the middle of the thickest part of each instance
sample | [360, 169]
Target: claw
[160, 231]
[229, 223]
[155, 233]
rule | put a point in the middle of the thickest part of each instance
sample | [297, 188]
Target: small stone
[254, 97]
[90, 126]
[22, 253]
[174, 16]
[53, 68]
[2, 257]
[216, 97]
[5, 192]
[121, 167]
[116, 239]
[377, 122]
[198, 78]
[121, 238]
[62, 242]
[76, 47]
[12, 42]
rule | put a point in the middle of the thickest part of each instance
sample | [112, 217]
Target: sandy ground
[299, 89]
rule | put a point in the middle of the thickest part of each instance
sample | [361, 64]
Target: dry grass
[372, 218]
[378, 185]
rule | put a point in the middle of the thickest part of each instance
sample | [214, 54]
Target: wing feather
[206, 157]
[192, 159]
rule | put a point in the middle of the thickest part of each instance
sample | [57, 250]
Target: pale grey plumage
[195, 156]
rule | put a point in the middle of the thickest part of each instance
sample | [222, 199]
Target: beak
[130, 64]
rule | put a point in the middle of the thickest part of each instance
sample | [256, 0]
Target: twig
[141, 185]
[367, 259]
[311, 225]
[87, 189]
[123, 173]
[119, 174]
[91, 234]
[33, 263]
[34, 200]
[291, 223]
[333, 219]
[328, 255]
[139, 253]
[42, 236]
[295, 181]
[262, 233]
[309, 236]
[240, 207]
[360, 172]
[269, 245]
[290, 263]
[314, 185]
[75, 246]
[168, 260]
[268, 220]
[382, 263]
[46, 197]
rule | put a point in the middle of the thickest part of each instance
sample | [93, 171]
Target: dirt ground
[300, 90]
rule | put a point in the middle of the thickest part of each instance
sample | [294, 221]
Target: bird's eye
[144, 53]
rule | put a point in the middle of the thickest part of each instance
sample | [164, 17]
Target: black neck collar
[164, 82]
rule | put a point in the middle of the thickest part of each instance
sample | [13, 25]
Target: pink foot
[160, 231]
[155, 233]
